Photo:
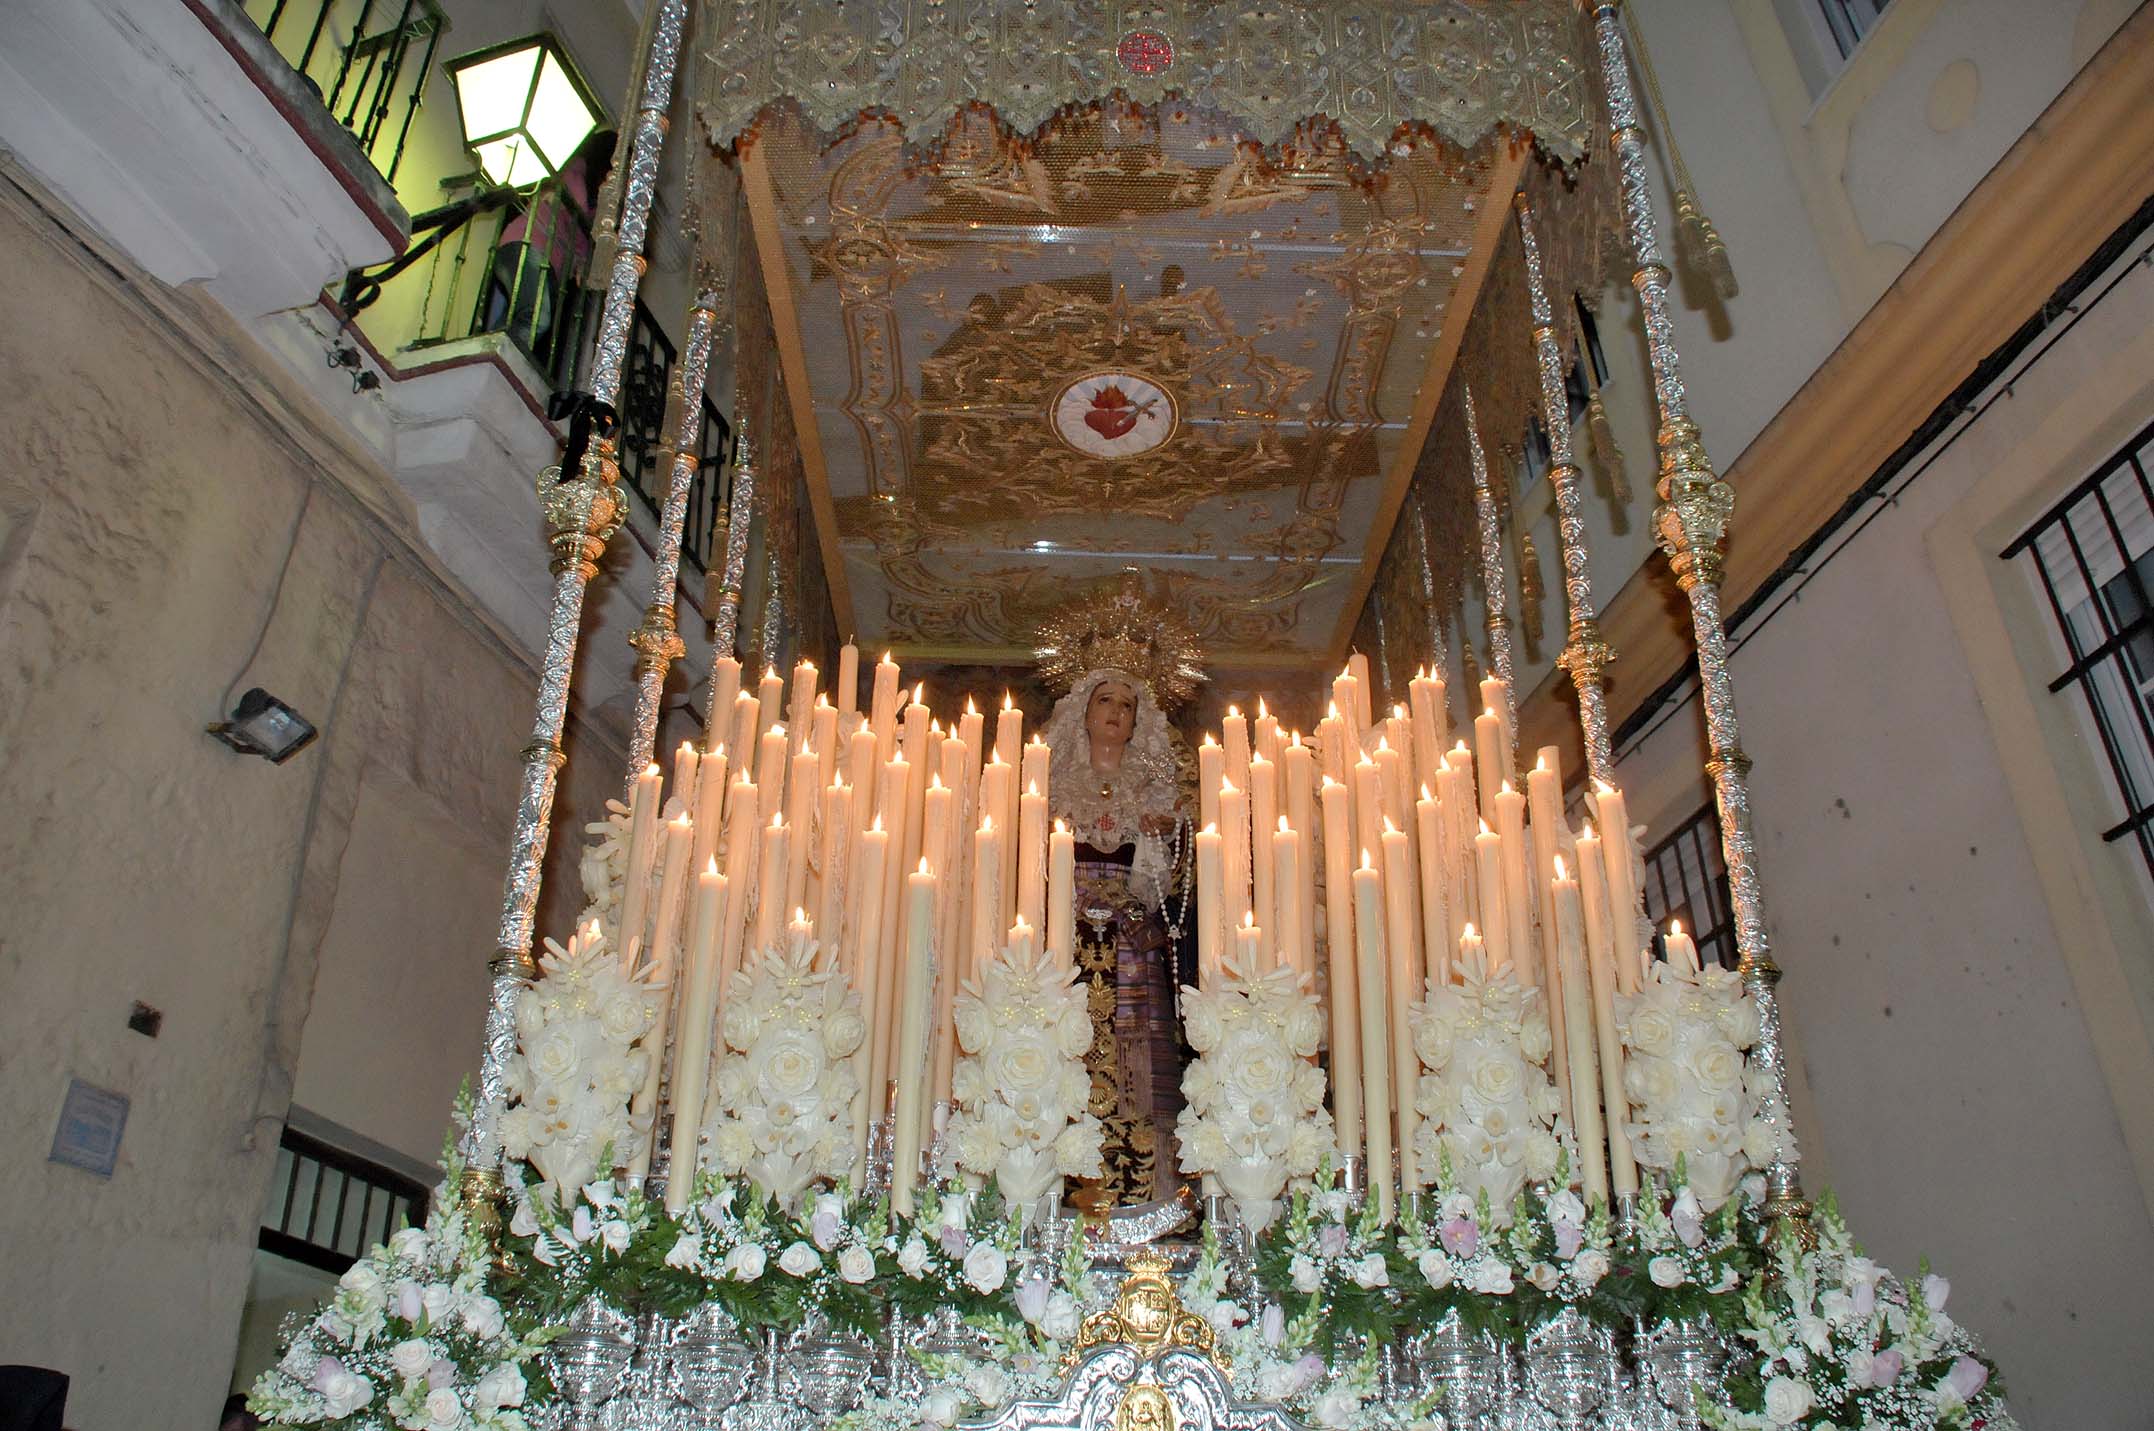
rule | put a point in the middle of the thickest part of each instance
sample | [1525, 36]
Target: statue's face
[1111, 714]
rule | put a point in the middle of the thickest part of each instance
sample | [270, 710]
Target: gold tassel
[1699, 245]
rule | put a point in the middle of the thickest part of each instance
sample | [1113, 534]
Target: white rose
[855, 1263]
[1665, 1272]
[1435, 1268]
[411, 1358]
[409, 1244]
[1305, 1274]
[1490, 1277]
[343, 1392]
[1787, 1400]
[941, 1406]
[362, 1281]
[556, 1056]
[1370, 1271]
[502, 1386]
[443, 1411]
[745, 1263]
[1022, 1061]
[1739, 1021]
[614, 1234]
[1336, 1408]
[912, 1257]
[1496, 1079]
[1060, 1320]
[985, 1267]
[439, 1299]
[1716, 1067]
[799, 1260]
[1651, 1031]
[1543, 1275]
[843, 1032]
[1589, 1267]
[989, 1385]
[624, 1016]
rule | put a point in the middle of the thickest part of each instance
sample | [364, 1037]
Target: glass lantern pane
[492, 95]
[560, 120]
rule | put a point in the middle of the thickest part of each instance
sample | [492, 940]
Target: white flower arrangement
[412, 1339]
[1487, 1105]
[577, 1064]
[786, 1084]
[1020, 1086]
[604, 870]
[1843, 1342]
[1690, 1257]
[1692, 1095]
[603, 1221]
[1458, 1260]
[1254, 1113]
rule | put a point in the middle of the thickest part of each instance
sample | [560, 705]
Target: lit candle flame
[1561, 871]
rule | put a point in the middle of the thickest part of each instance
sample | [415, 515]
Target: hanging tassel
[1699, 246]
[1605, 451]
[1530, 589]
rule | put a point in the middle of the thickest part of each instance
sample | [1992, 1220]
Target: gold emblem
[1148, 1317]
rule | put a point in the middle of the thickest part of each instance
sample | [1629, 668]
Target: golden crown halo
[1120, 628]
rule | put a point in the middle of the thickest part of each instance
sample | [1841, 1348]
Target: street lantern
[524, 108]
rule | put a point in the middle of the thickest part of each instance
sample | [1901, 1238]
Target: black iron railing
[1686, 878]
[508, 263]
[2093, 554]
[327, 1206]
[367, 61]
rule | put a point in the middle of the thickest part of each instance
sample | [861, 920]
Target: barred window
[1849, 21]
[1686, 878]
[327, 1206]
[2092, 555]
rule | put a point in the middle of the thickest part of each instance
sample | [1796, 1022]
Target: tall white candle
[1517, 899]
[684, 778]
[1370, 959]
[800, 711]
[1357, 664]
[770, 693]
[725, 690]
[770, 885]
[709, 808]
[1246, 952]
[823, 735]
[1431, 728]
[1489, 771]
[770, 773]
[895, 784]
[1266, 734]
[1340, 965]
[1263, 819]
[1600, 964]
[1625, 880]
[692, 1046]
[874, 851]
[1234, 735]
[740, 871]
[1288, 940]
[1211, 903]
[848, 679]
[1403, 938]
[1578, 1015]
[883, 711]
[672, 890]
[1032, 771]
[1488, 862]
[747, 727]
[642, 857]
[1211, 770]
[1346, 704]
[1062, 893]
[800, 797]
[837, 846]
[1234, 826]
[987, 926]
[1297, 770]
[1032, 857]
[912, 1035]
[1435, 911]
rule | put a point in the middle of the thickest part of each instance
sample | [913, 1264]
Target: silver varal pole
[1500, 660]
[583, 510]
[733, 573]
[1691, 525]
[1585, 655]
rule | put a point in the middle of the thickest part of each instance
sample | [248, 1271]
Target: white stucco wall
[1959, 1108]
[143, 526]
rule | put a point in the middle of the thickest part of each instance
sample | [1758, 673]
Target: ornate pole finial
[1691, 525]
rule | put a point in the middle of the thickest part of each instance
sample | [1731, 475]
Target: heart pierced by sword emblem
[1112, 414]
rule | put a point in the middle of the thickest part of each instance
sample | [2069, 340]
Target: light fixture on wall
[265, 726]
[524, 108]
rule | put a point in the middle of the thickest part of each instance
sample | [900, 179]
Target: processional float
[778, 1135]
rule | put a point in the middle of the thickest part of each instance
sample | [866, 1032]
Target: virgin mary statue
[1117, 779]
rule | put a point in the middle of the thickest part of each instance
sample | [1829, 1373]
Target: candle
[1682, 953]
[883, 708]
[1234, 735]
[823, 735]
[1472, 954]
[1032, 857]
[1404, 979]
[800, 712]
[1297, 770]
[998, 802]
[987, 845]
[1009, 743]
[692, 1050]
[1357, 664]
[1289, 939]
[1234, 825]
[1370, 957]
[740, 851]
[1425, 695]
[1022, 937]
[1435, 911]
[1488, 768]
[800, 796]
[770, 692]
[1009, 732]
[672, 890]
[1247, 955]
[642, 855]
[1368, 805]
[837, 848]
[1211, 897]
[1346, 705]
[1517, 895]
[770, 885]
[684, 777]
[1600, 967]
[1391, 780]
[1550, 833]
[1578, 1016]
[1488, 865]
[725, 690]
[770, 772]
[746, 717]
[912, 1034]
[1496, 696]
[1062, 893]
[1340, 956]
[1267, 733]
[709, 808]
[1032, 771]
[1624, 876]
[1211, 770]
[848, 679]
[892, 789]
[1331, 748]
[874, 851]
[1264, 886]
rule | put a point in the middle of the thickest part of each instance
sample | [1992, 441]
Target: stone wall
[176, 526]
